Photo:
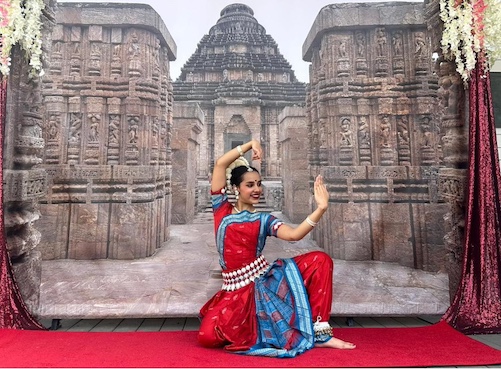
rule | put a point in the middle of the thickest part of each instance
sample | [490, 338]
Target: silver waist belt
[244, 276]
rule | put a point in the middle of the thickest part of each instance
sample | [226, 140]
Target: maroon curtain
[13, 311]
[476, 307]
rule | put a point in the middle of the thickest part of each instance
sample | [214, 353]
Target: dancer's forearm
[219, 172]
[230, 156]
[288, 233]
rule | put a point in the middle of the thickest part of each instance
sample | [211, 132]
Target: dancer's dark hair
[237, 174]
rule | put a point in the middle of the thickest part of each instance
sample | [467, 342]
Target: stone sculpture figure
[397, 43]
[155, 127]
[135, 66]
[342, 49]
[117, 53]
[385, 128]
[156, 58]
[360, 40]
[346, 133]
[75, 127]
[427, 133]
[450, 87]
[403, 130]
[94, 120]
[134, 46]
[133, 128]
[364, 138]
[114, 126]
[420, 44]
[53, 127]
[381, 41]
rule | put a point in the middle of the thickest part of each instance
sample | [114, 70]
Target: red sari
[233, 320]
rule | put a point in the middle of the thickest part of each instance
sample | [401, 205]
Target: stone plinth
[189, 270]
[187, 126]
[108, 105]
[293, 129]
[373, 216]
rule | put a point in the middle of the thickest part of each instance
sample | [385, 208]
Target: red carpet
[436, 345]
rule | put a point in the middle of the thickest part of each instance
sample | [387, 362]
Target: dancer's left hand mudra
[320, 193]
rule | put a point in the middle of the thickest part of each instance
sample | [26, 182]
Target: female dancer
[280, 309]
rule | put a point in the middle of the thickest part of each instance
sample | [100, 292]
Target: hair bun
[240, 162]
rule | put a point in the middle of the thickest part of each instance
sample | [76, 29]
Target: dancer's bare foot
[337, 344]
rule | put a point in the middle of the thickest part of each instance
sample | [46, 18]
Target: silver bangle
[310, 222]
[239, 149]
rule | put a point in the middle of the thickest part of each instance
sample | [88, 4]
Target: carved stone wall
[375, 133]
[293, 129]
[107, 130]
[187, 126]
[25, 183]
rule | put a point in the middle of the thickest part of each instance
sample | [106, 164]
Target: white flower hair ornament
[241, 161]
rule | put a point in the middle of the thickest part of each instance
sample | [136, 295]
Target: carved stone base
[346, 156]
[343, 67]
[362, 67]
[28, 274]
[387, 156]
[101, 231]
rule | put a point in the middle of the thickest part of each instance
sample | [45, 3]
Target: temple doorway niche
[237, 132]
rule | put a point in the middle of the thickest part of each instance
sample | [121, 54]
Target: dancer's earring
[237, 193]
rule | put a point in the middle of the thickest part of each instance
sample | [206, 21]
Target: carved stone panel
[107, 132]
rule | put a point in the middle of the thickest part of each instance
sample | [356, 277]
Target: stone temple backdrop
[109, 151]
[108, 120]
[242, 83]
[376, 107]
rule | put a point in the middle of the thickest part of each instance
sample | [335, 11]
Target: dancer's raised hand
[321, 193]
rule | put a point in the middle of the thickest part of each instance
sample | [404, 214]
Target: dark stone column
[25, 183]
[187, 126]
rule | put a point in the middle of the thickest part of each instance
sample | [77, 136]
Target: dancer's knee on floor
[208, 339]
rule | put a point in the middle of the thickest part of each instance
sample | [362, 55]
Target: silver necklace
[238, 210]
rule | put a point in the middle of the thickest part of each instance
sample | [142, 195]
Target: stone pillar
[454, 145]
[25, 183]
[109, 115]
[294, 155]
[187, 125]
[375, 134]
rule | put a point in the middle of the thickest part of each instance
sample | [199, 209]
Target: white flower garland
[21, 24]
[472, 32]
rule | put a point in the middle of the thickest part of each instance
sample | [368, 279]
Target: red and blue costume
[274, 314]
